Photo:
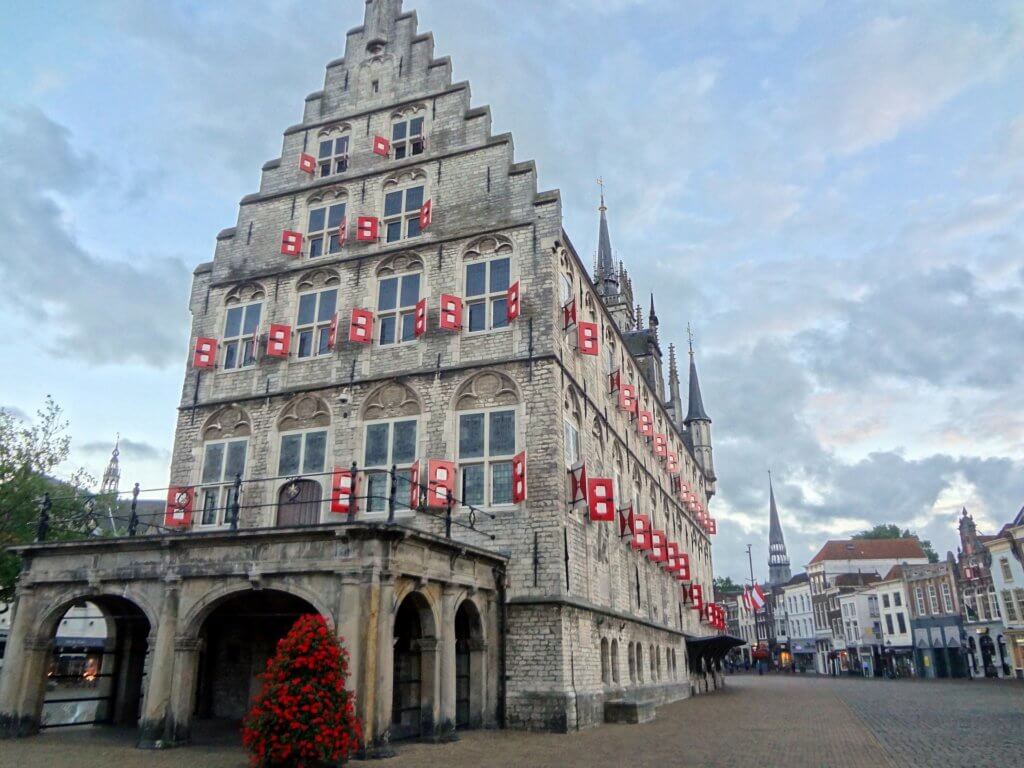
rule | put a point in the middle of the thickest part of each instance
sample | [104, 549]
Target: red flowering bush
[303, 716]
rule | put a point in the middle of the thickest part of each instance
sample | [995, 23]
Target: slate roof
[869, 549]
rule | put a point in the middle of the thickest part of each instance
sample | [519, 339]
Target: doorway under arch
[414, 666]
[470, 666]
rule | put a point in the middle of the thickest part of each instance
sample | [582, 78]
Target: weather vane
[689, 333]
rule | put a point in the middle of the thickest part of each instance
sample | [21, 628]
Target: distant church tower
[112, 474]
[778, 560]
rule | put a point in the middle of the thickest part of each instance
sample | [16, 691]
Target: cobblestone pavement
[756, 721]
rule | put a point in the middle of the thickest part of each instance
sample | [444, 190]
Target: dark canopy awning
[710, 649]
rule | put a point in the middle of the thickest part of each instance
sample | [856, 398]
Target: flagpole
[750, 560]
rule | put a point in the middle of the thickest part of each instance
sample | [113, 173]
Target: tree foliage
[725, 584]
[30, 452]
[304, 716]
[892, 531]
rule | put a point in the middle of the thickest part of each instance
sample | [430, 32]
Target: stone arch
[304, 412]
[488, 246]
[572, 405]
[405, 177]
[191, 623]
[486, 389]
[390, 400]
[414, 631]
[336, 194]
[429, 612]
[409, 110]
[470, 664]
[317, 278]
[332, 130]
[245, 292]
[227, 422]
[46, 626]
[406, 261]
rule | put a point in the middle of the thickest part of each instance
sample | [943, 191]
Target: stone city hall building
[409, 408]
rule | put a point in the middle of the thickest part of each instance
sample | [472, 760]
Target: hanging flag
[757, 596]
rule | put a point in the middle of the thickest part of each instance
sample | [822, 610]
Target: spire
[607, 277]
[675, 399]
[653, 316]
[696, 404]
[112, 474]
[778, 559]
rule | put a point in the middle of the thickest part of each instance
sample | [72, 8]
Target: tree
[724, 584]
[303, 715]
[29, 454]
[892, 531]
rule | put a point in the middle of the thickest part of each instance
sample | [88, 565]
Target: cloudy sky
[832, 193]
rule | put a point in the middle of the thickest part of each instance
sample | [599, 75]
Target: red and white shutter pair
[683, 574]
[440, 482]
[586, 338]
[577, 484]
[451, 312]
[569, 314]
[279, 340]
[291, 243]
[178, 512]
[712, 526]
[658, 553]
[307, 163]
[513, 302]
[697, 597]
[519, 478]
[645, 423]
[344, 484]
[672, 563]
[381, 146]
[205, 353]
[641, 533]
[627, 398]
[367, 228]
[600, 499]
[360, 326]
[660, 445]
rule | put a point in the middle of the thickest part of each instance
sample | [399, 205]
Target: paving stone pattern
[756, 721]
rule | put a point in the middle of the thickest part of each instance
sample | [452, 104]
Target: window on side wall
[387, 443]
[402, 213]
[487, 443]
[396, 307]
[486, 293]
[312, 326]
[222, 461]
[240, 326]
[572, 444]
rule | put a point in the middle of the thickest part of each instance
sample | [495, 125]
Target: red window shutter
[614, 382]
[512, 302]
[344, 485]
[569, 314]
[343, 232]
[291, 243]
[683, 574]
[672, 465]
[440, 482]
[672, 557]
[684, 487]
[279, 340]
[426, 215]
[366, 228]
[420, 322]
[641, 533]
[587, 338]
[627, 398]
[712, 526]
[414, 485]
[645, 423]
[332, 332]
[660, 445]
[577, 484]
[360, 327]
[697, 597]
[307, 163]
[451, 312]
[626, 521]
[658, 553]
[600, 500]
[381, 146]
[519, 478]
[178, 513]
[205, 354]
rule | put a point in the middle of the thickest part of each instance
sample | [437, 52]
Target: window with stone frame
[571, 430]
[323, 226]
[902, 622]
[313, 322]
[223, 460]
[487, 283]
[241, 324]
[387, 443]
[1011, 609]
[332, 151]
[403, 199]
[994, 602]
[302, 452]
[897, 599]
[1018, 595]
[933, 598]
[1004, 566]
[487, 443]
[919, 597]
[408, 133]
[947, 598]
[397, 296]
[888, 624]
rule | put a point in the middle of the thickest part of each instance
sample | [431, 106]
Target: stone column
[13, 721]
[446, 646]
[350, 628]
[155, 728]
[384, 672]
[29, 703]
[183, 689]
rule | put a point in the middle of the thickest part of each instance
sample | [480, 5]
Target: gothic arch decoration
[230, 421]
[328, 196]
[318, 278]
[406, 261]
[487, 246]
[409, 111]
[244, 293]
[304, 412]
[390, 400]
[572, 406]
[405, 178]
[486, 389]
[334, 130]
[598, 429]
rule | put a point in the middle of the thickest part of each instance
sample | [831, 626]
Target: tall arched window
[242, 313]
[391, 417]
[605, 663]
[488, 276]
[486, 409]
[404, 195]
[571, 429]
[317, 305]
[324, 222]
[409, 132]
[225, 445]
[399, 285]
[615, 661]
[332, 150]
[303, 452]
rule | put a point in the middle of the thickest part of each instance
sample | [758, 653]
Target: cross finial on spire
[689, 333]
[600, 183]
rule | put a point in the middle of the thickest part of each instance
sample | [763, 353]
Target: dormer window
[407, 137]
[332, 156]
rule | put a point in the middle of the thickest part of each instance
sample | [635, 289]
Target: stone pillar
[14, 721]
[446, 646]
[35, 662]
[156, 730]
[183, 689]
[384, 671]
[350, 628]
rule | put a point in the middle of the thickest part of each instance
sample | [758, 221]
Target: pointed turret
[675, 400]
[652, 319]
[612, 282]
[699, 425]
[778, 559]
[112, 474]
